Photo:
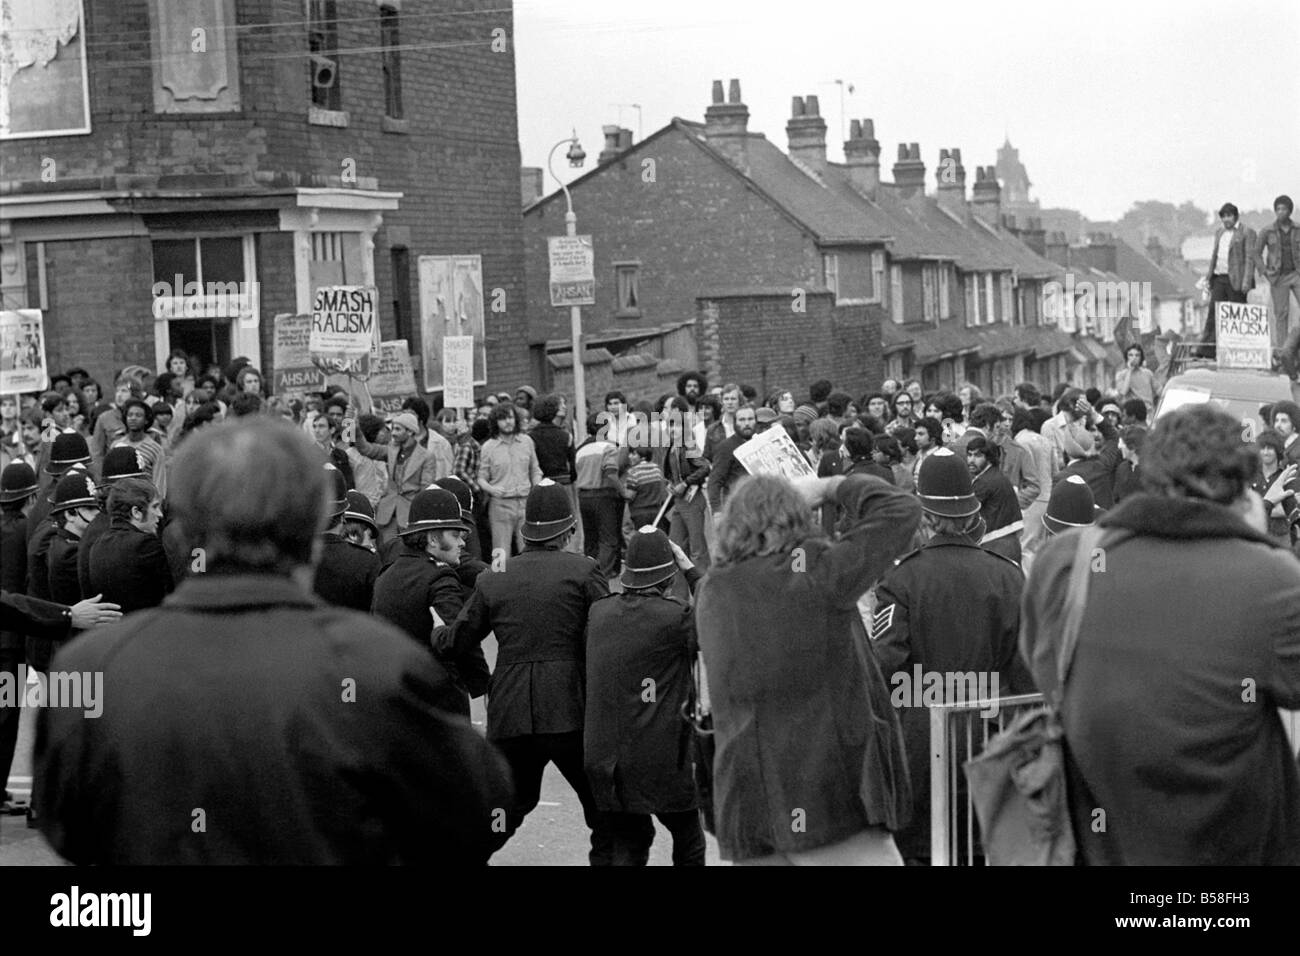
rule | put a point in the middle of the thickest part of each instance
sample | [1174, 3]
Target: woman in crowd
[804, 730]
[970, 397]
[78, 414]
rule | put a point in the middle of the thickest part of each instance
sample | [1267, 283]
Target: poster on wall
[22, 352]
[451, 305]
[43, 84]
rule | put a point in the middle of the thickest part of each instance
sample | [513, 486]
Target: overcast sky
[1109, 101]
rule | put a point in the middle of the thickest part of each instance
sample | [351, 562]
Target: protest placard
[344, 323]
[393, 380]
[458, 371]
[773, 453]
[22, 352]
[1243, 335]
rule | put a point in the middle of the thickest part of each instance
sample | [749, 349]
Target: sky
[1109, 101]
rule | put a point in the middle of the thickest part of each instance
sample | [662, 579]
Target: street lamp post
[575, 156]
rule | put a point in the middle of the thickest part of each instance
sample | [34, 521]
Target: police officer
[66, 451]
[420, 590]
[359, 525]
[347, 572]
[76, 505]
[1071, 506]
[949, 607]
[635, 740]
[471, 566]
[18, 487]
[118, 463]
[537, 607]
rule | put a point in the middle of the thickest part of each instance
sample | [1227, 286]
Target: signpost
[22, 352]
[1243, 335]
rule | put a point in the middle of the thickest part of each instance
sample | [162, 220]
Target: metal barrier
[959, 732]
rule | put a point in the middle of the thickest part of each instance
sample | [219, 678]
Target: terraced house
[704, 233]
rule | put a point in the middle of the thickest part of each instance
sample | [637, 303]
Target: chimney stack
[617, 140]
[1057, 248]
[950, 178]
[1034, 236]
[1155, 251]
[726, 125]
[807, 133]
[862, 156]
[909, 171]
[986, 196]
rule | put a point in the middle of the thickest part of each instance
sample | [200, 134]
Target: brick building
[710, 226]
[278, 143]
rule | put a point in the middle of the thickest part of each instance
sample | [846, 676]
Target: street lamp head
[576, 154]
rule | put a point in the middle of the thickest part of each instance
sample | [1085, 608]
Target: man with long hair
[1171, 702]
[809, 765]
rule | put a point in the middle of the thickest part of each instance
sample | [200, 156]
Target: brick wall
[759, 340]
[696, 227]
[94, 319]
[638, 380]
[457, 166]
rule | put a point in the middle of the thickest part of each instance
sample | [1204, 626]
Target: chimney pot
[915, 152]
[902, 152]
[796, 106]
[733, 92]
[909, 171]
[855, 129]
[813, 107]
[717, 91]
[726, 126]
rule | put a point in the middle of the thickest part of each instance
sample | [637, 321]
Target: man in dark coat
[128, 565]
[1098, 470]
[947, 608]
[249, 722]
[999, 505]
[640, 649]
[18, 486]
[66, 451]
[727, 469]
[347, 572]
[538, 608]
[420, 591]
[809, 765]
[120, 462]
[1176, 755]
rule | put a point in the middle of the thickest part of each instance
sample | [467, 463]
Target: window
[945, 302]
[930, 291]
[877, 275]
[831, 272]
[323, 64]
[392, 62]
[629, 295]
[401, 262]
[205, 297]
[896, 293]
[336, 259]
[1007, 310]
[990, 314]
[972, 300]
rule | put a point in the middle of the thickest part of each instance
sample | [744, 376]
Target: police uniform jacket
[346, 573]
[1001, 512]
[309, 734]
[404, 593]
[1188, 647]
[13, 567]
[948, 607]
[38, 551]
[129, 567]
[62, 564]
[20, 614]
[635, 739]
[801, 712]
[88, 538]
[537, 608]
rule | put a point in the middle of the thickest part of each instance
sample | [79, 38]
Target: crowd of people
[628, 577]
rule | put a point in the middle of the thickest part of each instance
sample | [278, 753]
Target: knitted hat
[407, 420]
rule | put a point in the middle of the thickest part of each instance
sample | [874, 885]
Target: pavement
[554, 834]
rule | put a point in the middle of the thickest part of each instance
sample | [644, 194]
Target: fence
[959, 732]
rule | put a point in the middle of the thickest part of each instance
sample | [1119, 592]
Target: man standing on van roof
[1277, 256]
[1232, 269]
